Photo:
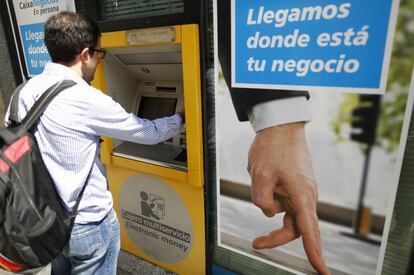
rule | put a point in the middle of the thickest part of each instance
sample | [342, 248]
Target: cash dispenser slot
[150, 86]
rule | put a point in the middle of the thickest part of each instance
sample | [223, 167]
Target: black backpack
[34, 227]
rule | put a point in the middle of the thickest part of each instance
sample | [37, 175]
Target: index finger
[308, 227]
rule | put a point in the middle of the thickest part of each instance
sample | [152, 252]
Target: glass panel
[80, 6]
[123, 9]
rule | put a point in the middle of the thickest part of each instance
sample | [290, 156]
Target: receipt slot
[157, 189]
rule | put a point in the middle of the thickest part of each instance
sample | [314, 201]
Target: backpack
[34, 226]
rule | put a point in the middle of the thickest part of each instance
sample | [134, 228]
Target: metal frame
[12, 33]
[195, 12]
[193, 16]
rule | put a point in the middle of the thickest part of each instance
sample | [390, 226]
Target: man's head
[67, 34]
[72, 39]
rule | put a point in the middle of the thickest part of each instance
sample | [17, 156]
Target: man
[279, 162]
[68, 136]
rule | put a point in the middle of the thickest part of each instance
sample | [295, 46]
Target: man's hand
[182, 115]
[283, 181]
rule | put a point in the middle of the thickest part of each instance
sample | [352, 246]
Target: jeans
[92, 249]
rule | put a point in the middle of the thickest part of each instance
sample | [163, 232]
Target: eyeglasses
[100, 53]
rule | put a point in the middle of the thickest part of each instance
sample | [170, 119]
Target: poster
[30, 17]
[312, 45]
[338, 164]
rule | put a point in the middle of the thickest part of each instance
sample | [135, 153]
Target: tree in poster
[394, 101]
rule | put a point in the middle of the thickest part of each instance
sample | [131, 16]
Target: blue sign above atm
[312, 45]
[30, 17]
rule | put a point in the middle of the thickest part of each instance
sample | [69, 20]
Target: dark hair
[68, 33]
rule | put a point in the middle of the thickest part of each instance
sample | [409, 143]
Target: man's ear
[84, 55]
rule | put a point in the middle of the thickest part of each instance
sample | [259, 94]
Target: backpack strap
[34, 114]
[74, 212]
[40, 105]
[14, 105]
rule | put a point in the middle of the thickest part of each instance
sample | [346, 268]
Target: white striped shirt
[68, 137]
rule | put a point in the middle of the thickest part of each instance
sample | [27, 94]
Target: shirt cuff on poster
[278, 112]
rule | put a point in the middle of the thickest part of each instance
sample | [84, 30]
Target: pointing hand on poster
[283, 181]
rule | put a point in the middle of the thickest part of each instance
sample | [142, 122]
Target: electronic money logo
[156, 218]
[152, 206]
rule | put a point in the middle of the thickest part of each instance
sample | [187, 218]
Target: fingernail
[267, 213]
[257, 245]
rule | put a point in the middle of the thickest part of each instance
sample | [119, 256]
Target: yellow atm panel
[158, 189]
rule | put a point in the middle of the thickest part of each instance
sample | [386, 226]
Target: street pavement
[243, 221]
[128, 264]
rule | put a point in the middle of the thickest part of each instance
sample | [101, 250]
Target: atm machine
[157, 189]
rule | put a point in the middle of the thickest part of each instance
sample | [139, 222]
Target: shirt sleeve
[106, 117]
[277, 112]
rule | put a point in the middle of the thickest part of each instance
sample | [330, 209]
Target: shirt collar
[63, 71]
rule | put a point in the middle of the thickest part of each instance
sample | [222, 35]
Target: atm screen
[156, 107]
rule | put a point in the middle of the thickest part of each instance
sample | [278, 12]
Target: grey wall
[7, 79]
